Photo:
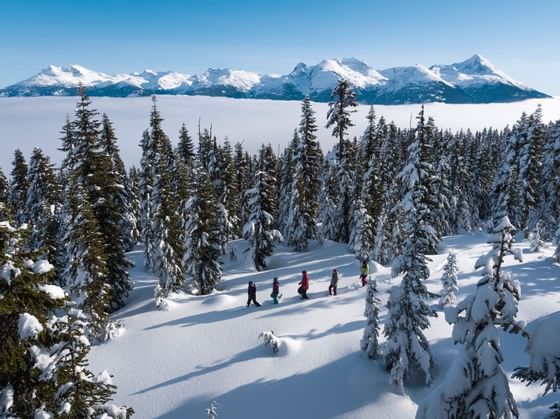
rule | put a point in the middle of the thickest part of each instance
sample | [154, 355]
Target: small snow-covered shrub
[270, 340]
[536, 241]
[212, 411]
[449, 281]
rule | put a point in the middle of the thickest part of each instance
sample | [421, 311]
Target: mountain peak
[477, 64]
[473, 80]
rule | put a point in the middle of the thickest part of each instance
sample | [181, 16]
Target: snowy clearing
[173, 364]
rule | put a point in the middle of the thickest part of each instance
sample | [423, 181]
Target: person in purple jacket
[275, 290]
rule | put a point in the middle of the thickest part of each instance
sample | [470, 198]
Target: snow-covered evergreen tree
[80, 393]
[43, 205]
[407, 346]
[202, 246]
[530, 168]
[297, 224]
[448, 294]
[18, 186]
[118, 186]
[476, 386]
[285, 186]
[42, 363]
[340, 109]
[259, 231]
[86, 270]
[302, 220]
[363, 237]
[372, 184]
[535, 236]
[5, 198]
[167, 246]
[549, 211]
[185, 147]
[145, 186]
[544, 349]
[505, 189]
[27, 304]
[370, 339]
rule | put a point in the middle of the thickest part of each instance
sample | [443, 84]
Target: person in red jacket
[304, 285]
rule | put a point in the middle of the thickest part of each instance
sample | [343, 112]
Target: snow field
[173, 364]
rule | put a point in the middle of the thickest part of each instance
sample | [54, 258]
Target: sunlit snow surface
[173, 364]
[29, 122]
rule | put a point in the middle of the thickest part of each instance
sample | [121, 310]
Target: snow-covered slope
[475, 80]
[173, 364]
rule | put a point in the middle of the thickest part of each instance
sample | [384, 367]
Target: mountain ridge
[475, 80]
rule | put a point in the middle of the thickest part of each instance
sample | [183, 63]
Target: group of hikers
[303, 286]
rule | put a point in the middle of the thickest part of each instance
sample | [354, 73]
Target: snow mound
[28, 326]
[542, 345]
[289, 346]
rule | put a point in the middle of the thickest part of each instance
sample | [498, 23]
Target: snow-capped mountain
[475, 80]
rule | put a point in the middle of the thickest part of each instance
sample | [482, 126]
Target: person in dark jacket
[275, 290]
[334, 282]
[252, 293]
[304, 285]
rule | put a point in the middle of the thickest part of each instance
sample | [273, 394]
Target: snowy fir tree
[536, 243]
[286, 178]
[407, 346]
[449, 281]
[185, 148]
[372, 189]
[25, 309]
[544, 367]
[165, 224]
[201, 260]
[363, 237]
[530, 168]
[43, 205]
[476, 385]
[95, 177]
[370, 338]
[18, 186]
[80, 393]
[302, 220]
[259, 230]
[145, 186]
[86, 271]
[118, 185]
[338, 115]
[42, 367]
[5, 198]
[549, 203]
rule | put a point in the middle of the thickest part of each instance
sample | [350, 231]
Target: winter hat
[334, 270]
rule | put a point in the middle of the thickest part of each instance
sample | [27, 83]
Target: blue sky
[272, 36]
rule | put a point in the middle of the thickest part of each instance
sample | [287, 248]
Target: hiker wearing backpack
[304, 285]
[252, 294]
[275, 291]
[334, 282]
[364, 271]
